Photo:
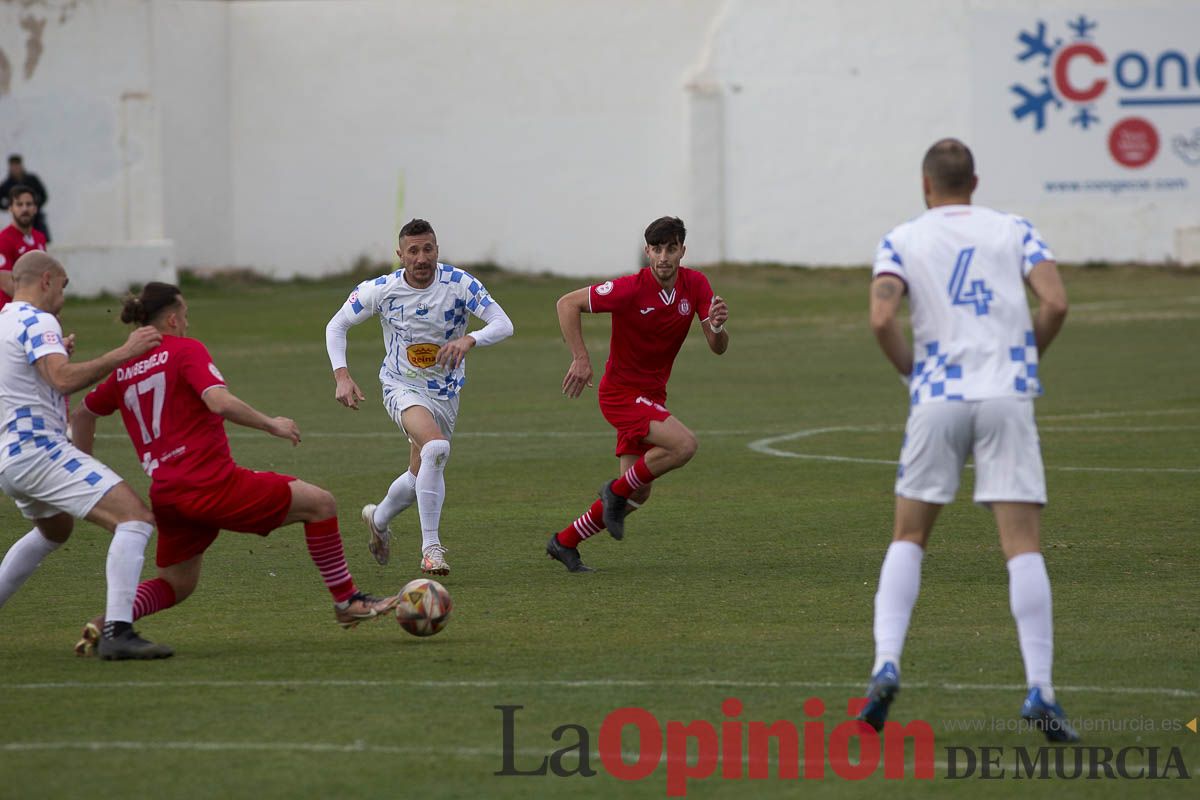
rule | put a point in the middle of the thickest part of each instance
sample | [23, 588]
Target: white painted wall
[292, 136]
[542, 134]
[84, 116]
[828, 107]
[191, 83]
[77, 100]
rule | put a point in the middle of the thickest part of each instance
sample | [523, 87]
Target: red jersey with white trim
[182, 445]
[13, 245]
[649, 324]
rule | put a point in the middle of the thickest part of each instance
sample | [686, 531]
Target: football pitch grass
[750, 574]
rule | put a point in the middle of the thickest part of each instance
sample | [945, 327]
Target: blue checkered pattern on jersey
[1026, 355]
[72, 466]
[479, 301]
[455, 317]
[31, 431]
[886, 245]
[932, 376]
[29, 321]
[448, 387]
[1036, 251]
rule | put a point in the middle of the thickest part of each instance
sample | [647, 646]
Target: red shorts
[246, 502]
[631, 413]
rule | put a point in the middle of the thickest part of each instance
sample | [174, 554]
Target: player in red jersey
[174, 402]
[19, 238]
[652, 312]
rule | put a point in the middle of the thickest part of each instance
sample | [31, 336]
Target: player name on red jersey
[145, 365]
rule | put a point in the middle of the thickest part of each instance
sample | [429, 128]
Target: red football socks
[152, 596]
[589, 524]
[325, 548]
[635, 477]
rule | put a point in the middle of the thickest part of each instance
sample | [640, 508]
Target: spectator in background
[17, 176]
[19, 238]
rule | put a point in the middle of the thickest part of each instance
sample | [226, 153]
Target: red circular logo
[1133, 142]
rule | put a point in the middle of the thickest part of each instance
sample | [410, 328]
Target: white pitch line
[258, 746]
[766, 447]
[1116, 414]
[460, 435]
[628, 757]
[1118, 429]
[577, 684]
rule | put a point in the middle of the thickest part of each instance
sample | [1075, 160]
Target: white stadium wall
[539, 134]
[292, 137]
[75, 101]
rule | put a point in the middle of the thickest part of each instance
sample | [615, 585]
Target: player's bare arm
[571, 308]
[6, 282]
[1047, 285]
[887, 292]
[225, 403]
[83, 428]
[714, 326]
[57, 370]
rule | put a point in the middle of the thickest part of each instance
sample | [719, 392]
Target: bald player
[51, 481]
[972, 374]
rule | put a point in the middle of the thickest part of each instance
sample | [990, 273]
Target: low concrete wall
[98, 269]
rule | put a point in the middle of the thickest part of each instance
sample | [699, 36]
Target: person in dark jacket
[18, 176]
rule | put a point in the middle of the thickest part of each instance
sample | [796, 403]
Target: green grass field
[749, 574]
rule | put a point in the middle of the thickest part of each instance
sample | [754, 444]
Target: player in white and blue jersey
[423, 308]
[972, 374]
[52, 482]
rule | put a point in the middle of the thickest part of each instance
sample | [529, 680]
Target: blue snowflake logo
[1035, 102]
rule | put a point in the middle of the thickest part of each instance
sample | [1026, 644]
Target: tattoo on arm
[885, 290]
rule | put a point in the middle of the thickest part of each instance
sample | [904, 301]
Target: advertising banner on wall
[1097, 104]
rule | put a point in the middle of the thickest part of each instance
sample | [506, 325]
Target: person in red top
[652, 312]
[19, 238]
[174, 404]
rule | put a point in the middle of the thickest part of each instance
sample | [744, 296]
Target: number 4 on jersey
[979, 294]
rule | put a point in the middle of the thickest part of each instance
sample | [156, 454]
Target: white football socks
[400, 495]
[431, 489]
[1029, 599]
[899, 584]
[21, 560]
[124, 568]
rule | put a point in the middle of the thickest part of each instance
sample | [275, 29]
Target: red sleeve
[105, 398]
[702, 295]
[613, 295]
[198, 370]
[8, 253]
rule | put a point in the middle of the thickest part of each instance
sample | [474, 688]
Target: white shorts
[397, 397]
[70, 482]
[1002, 435]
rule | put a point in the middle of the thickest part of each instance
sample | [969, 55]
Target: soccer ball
[424, 607]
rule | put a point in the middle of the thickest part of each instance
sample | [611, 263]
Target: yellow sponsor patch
[422, 355]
